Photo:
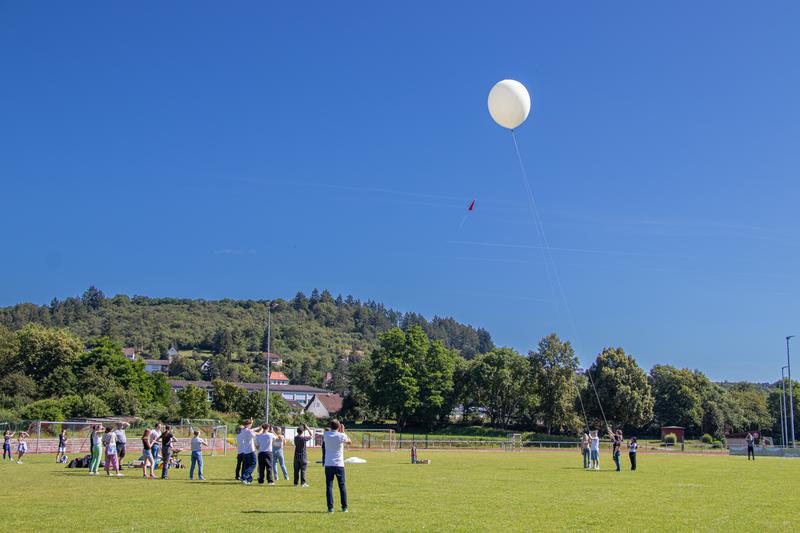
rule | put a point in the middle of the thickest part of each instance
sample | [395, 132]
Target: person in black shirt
[166, 450]
[616, 439]
[300, 458]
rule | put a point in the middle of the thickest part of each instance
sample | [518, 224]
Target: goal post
[212, 430]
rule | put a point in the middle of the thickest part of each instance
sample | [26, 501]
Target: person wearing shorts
[22, 446]
[147, 455]
[110, 445]
[61, 456]
[594, 450]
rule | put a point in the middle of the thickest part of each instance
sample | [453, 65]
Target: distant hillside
[312, 331]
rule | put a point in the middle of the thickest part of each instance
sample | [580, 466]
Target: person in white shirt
[335, 439]
[264, 442]
[632, 447]
[197, 456]
[246, 446]
[155, 440]
[594, 450]
[110, 444]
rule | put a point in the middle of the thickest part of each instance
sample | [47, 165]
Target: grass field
[459, 491]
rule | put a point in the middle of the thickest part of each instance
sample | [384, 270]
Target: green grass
[459, 491]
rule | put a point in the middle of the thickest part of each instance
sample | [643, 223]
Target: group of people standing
[104, 440]
[590, 449]
[22, 445]
[263, 448]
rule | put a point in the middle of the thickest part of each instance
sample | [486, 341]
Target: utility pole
[269, 357]
[791, 394]
[784, 429]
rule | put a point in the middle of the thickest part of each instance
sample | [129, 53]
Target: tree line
[388, 365]
[313, 331]
[417, 381]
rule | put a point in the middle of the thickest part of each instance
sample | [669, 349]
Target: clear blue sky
[250, 149]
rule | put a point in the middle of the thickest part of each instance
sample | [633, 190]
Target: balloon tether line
[551, 264]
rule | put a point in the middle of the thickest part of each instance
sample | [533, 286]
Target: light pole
[791, 397]
[269, 327]
[784, 429]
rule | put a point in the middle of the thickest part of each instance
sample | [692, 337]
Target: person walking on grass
[751, 450]
[264, 443]
[61, 456]
[148, 462]
[247, 447]
[122, 441]
[155, 440]
[96, 443]
[335, 439]
[300, 462]
[197, 456]
[110, 444]
[7, 436]
[585, 450]
[167, 440]
[616, 446]
[22, 446]
[277, 455]
[632, 447]
[594, 451]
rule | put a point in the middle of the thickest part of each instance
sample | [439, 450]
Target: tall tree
[42, 350]
[192, 402]
[678, 397]
[503, 385]
[622, 387]
[554, 365]
[396, 389]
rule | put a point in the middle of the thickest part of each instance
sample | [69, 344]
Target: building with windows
[278, 378]
[302, 394]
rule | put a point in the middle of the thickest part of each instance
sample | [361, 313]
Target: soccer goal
[213, 431]
[43, 435]
[385, 439]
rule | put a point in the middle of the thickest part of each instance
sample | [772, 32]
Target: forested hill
[316, 330]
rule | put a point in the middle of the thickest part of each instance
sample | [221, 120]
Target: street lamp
[784, 429]
[269, 327]
[791, 394]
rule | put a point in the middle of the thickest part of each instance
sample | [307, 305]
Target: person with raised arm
[7, 436]
[61, 456]
[264, 443]
[245, 443]
[335, 439]
[167, 442]
[197, 456]
[300, 463]
[22, 446]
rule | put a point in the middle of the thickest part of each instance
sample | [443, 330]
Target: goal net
[213, 431]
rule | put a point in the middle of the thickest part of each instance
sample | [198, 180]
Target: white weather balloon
[509, 103]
